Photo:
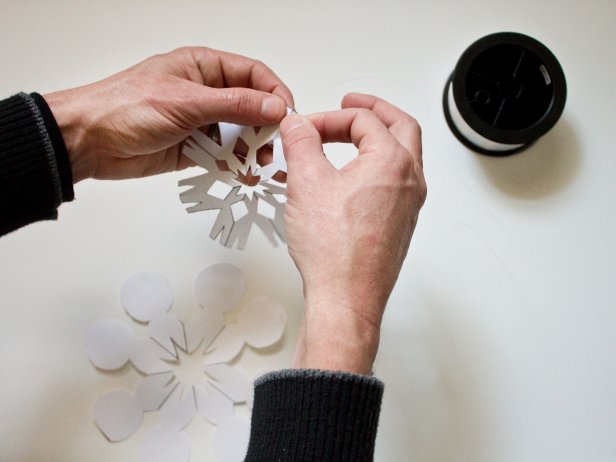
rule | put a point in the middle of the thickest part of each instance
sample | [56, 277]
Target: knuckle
[238, 101]
[414, 124]
[422, 192]
[185, 50]
[403, 161]
[259, 64]
[296, 139]
[364, 113]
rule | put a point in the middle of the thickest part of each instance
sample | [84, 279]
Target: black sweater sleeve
[316, 416]
[35, 173]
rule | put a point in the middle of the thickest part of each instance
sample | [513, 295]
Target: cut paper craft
[165, 445]
[244, 192]
[111, 344]
[232, 449]
[118, 415]
[146, 295]
[203, 327]
[260, 324]
[167, 442]
[220, 287]
[153, 391]
[212, 404]
[231, 382]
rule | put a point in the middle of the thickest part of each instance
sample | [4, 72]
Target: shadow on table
[540, 171]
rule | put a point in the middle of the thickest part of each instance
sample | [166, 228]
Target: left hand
[132, 124]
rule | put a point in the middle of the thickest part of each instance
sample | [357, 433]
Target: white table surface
[499, 343]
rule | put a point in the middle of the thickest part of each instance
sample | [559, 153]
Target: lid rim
[499, 135]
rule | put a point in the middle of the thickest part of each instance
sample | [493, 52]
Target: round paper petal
[118, 415]
[179, 410]
[230, 381]
[226, 346]
[231, 439]
[212, 404]
[165, 444]
[153, 390]
[167, 330]
[144, 295]
[220, 287]
[203, 327]
[144, 357]
[263, 322]
[109, 343]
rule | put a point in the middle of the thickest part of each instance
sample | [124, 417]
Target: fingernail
[293, 121]
[272, 108]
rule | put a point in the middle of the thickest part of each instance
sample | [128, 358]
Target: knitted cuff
[59, 148]
[313, 415]
[30, 181]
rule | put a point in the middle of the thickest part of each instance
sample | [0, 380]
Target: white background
[499, 342]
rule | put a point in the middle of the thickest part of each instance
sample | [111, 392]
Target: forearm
[333, 336]
[326, 408]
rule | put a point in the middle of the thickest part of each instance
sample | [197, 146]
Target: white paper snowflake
[243, 192]
[147, 298]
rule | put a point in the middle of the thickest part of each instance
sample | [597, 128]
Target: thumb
[242, 106]
[302, 145]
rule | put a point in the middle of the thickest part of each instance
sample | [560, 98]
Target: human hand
[349, 231]
[132, 123]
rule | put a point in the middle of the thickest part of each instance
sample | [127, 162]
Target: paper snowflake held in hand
[147, 298]
[243, 191]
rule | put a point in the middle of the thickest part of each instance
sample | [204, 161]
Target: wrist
[72, 124]
[339, 337]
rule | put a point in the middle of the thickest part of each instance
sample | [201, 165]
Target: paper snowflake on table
[243, 192]
[147, 298]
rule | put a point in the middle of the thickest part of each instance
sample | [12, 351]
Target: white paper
[226, 346]
[118, 415]
[220, 287]
[109, 344]
[144, 358]
[203, 327]
[168, 331]
[263, 321]
[231, 439]
[213, 405]
[112, 344]
[179, 409]
[260, 324]
[230, 381]
[145, 295]
[205, 192]
[153, 390]
[165, 445]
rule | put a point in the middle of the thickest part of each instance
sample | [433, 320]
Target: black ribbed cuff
[312, 415]
[59, 148]
[30, 183]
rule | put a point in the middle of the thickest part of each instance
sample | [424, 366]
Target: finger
[358, 126]
[235, 105]
[302, 146]
[403, 126]
[231, 70]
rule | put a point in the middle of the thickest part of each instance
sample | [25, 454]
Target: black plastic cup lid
[509, 88]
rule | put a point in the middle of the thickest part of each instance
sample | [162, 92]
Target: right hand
[349, 231]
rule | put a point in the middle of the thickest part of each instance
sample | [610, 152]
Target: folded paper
[244, 192]
[112, 344]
